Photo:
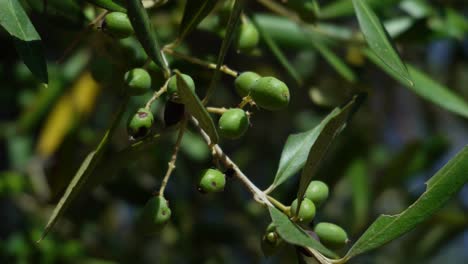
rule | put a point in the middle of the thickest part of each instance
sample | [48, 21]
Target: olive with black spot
[155, 215]
[270, 93]
[138, 81]
[233, 123]
[331, 235]
[244, 82]
[117, 25]
[140, 124]
[212, 180]
[306, 213]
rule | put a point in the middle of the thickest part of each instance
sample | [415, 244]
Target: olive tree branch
[258, 195]
[156, 95]
[171, 165]
[225, 69]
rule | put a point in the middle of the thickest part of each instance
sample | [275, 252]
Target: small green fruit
[233, 123]
[331, 235]
[270, 93]
[155, 215]
[117, 25]
[140, 124]
[247, 37]
[172, 85]
[306, 212]
[271, 241]
[138, 81]
[317, 192]
[212, 180]
[244, 82]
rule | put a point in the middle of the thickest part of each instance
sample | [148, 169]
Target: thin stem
[171, 164]
[279, 205]
[225, 69]
[216, 110]
[156, 95]
[258, 195]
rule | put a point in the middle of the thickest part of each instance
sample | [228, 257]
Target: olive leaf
[358, 177]
[379, 41]
[330, 128]
[277, 52]
[233, 21]
[427, 88]
[440, 189]
[196, 108]
[111, 5]
[194, 12]
[81, 176]
[144, 32]
[294, 234]
[27, 41]
[341, 8]
[335, 61]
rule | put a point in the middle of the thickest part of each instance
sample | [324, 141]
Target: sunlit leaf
[27, 41]
[440, 189]
[196, 108]
[379, 40]
[294, 234]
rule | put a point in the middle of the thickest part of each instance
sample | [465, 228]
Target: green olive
[270, 93]
[155, 215]
[247, 37]
[172, 86]
[212, 180]
[271, 241]
[140, 124]
[306, 212]
[117, 25]
[138, 81]
[317, 192]
[233, 123]
[244, 82]
[331, 235]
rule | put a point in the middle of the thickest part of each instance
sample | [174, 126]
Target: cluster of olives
[267, 92]
[329, 234]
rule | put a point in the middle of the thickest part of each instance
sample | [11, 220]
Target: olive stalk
[216, 110]
[259, 196]
[224, 68]
[156, 95]
[279, 205]
[171, 164]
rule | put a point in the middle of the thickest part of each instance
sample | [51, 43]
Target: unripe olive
[117, 25]
[233, 123]
[270, 93]
[317, 192]
[247, 37]
[140, 124]
[244, 82]
[138, 81]
[172, 85]
[306, 212]
[331, 235]
[271, 241]
[155, 215]
[212, 180]
[173, 113]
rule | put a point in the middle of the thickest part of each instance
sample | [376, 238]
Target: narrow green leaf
[196, 108]
[277, 52]
[194, 12]
[330, 128]
[231, 27]
[145, 33]
[358, 177]
[341, 8]
[81, 176]
[27, 41]
[378, 39]
[335, 61]
[295, 235]
[111, 5]
[440, 189]
[427, 88]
